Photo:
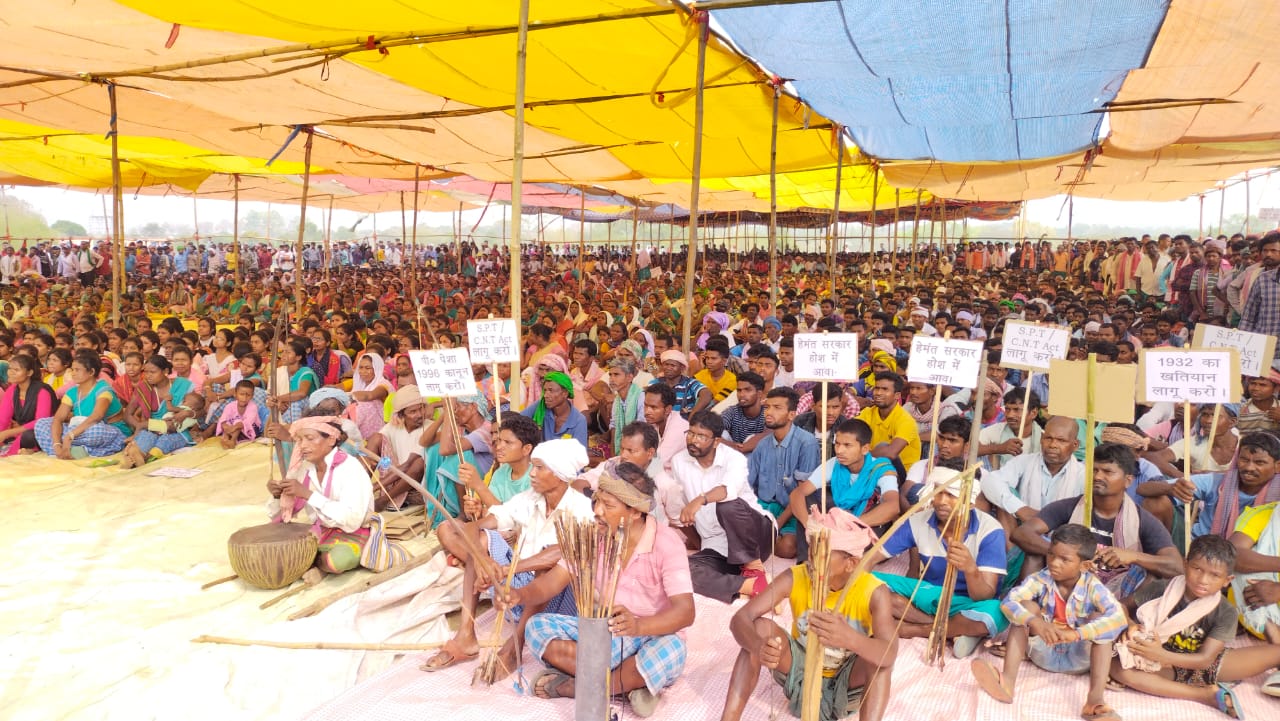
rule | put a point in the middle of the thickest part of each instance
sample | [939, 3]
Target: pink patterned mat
[920, 693]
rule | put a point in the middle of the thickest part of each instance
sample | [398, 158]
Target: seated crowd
[720, 463]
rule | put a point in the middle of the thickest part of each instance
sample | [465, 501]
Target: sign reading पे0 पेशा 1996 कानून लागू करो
[442, 373]
[494, 340]
[1032, 346]
[942, 361]
[826, 356]
[1196, 376]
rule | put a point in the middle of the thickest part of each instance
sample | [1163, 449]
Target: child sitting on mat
[1176, 647]
[1064, 619]
[240, 420]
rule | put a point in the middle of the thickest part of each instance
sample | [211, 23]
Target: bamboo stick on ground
[224, 579]
[320, 645]
[489, 666]
[373, 580]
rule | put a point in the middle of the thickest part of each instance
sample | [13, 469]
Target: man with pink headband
[859, 645]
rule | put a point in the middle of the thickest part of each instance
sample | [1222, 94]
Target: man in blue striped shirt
[1261, 312]
[784, 454]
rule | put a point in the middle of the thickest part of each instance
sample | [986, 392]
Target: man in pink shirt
[651, 608]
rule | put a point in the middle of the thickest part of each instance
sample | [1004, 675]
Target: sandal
[547, 683]
[991, 681]
[1225, 695]
[1099, 712]
[1271, 686]
[448, 655]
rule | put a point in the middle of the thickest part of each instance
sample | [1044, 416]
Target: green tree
[68, 229]
[21, 220]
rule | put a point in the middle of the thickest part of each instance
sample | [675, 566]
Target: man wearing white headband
[975, 608]
[553, 467]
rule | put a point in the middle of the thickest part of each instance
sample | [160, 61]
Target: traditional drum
[272, 555]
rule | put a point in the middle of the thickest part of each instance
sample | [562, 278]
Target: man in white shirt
[736, 535]
[659, 407]
[999, 443]
[1029, 481]
[640, 447]
[553, 466]
[68, 266]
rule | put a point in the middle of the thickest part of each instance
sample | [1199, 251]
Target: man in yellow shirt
[859, 645]
[894, 433]
[714, 375]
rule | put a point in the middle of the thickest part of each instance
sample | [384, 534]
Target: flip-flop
[450, 655]
[547, 683]
[1100, 712]
[1271, 686]
[991, 681]
[1226, 693]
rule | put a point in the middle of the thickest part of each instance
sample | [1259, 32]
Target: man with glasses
[735, 535]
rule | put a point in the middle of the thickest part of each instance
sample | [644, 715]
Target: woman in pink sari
[25, 401]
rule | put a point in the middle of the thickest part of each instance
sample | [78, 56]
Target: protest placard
[1192, 375]
[940, 361]
[1257, 350]
[826, 356]
[495, 340]
[443, 372]
[1031, 346]
[1112, 389]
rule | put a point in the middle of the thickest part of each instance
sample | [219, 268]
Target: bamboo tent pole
[1246, 204]
[1071, 214]
[871, 245]
[302, 219]
[834, 236]
[235, 231]
[517, 187]
[1222, 207]
[691, 256]
[893, 250]
[404, 233]
[118, 281]
[582, 238]
[915, 232]
[1200, 235]
[942, 230]
[773, 202]
[328, 240]
[635, 230]
[413, 239]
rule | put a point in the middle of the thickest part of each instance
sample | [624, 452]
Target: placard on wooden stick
[1257, 350]
[826, 357]
[1195, 375]
[1032, 346]
[445, 372]
[942, 361]
[495, 340]
[1113, 388]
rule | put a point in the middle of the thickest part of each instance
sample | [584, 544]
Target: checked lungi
[501, 552]
[659, 659]
[100, 439]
